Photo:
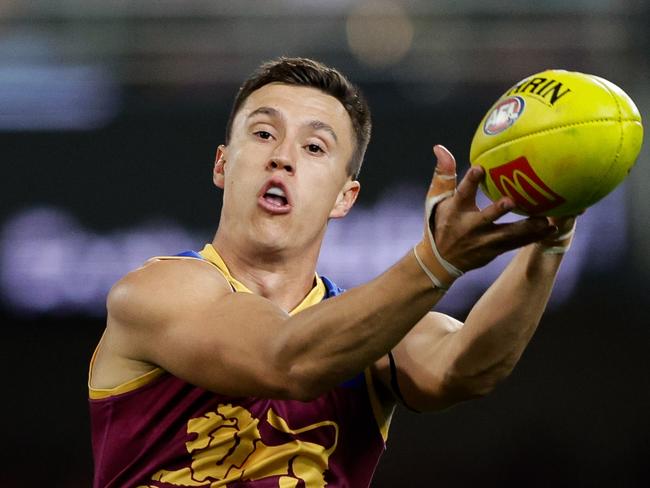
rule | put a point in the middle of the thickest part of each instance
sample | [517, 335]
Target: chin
[281, 236]
[271, 240]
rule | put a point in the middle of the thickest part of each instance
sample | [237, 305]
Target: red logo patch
[518, 180]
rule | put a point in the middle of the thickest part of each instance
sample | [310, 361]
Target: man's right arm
[181, 315]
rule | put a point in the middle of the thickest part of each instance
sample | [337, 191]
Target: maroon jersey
[160, 431]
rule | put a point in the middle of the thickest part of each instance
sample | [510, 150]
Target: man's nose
[283, 157]
[282, 164]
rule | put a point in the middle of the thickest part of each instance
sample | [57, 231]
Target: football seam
[620, 140]
[552, 129]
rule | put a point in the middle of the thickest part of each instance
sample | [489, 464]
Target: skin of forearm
[502, 322]
[331, 342]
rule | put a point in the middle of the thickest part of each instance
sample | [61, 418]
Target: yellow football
[557, 142]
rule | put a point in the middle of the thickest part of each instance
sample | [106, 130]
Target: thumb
[443, 183]
[446, 164]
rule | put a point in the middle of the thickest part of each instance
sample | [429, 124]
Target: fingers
[523, 232]
[468, 186]
[493, 212]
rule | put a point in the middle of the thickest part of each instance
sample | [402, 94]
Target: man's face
[284, 173]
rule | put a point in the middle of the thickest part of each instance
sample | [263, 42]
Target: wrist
[441, 273]
[560, 242]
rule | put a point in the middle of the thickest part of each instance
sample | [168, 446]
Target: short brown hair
[310, 73]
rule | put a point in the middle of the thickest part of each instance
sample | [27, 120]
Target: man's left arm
[441, 361]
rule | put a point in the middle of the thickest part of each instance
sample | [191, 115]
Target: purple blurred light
[49, 262]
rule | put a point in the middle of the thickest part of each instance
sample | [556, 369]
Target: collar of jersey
[315, 296]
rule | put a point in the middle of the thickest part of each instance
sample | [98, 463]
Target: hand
[464, 236]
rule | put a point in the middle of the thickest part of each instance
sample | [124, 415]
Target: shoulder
[161, 286]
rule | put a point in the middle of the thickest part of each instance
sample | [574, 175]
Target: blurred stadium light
[200, 41]
[380, 32]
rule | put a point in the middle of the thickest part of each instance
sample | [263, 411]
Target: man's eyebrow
[270, 111]
[319, 125]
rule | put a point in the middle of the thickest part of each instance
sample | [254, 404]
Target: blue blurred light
[54, 97]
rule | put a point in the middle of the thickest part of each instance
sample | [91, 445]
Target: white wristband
[560, 244]
[436, 282]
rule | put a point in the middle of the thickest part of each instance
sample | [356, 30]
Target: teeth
[274, 190]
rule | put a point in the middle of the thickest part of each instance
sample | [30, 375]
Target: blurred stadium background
[110, 114]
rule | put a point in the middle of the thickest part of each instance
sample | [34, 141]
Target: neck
[283, 277]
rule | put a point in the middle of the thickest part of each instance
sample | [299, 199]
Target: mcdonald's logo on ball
[518, 180]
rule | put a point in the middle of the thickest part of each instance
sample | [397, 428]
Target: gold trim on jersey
[315, 296]
[383, 411]
[133, 384]
[213, 257]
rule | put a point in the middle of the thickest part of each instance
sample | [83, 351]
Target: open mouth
[276, 196]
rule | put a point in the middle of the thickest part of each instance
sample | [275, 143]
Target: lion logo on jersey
[228, 447]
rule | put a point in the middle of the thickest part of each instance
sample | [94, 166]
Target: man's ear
[218, 174]
[345, 199]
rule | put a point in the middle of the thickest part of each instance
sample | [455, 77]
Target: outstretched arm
[442, 361]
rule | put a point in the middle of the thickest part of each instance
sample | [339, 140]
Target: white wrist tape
[440, 271]
[560, 244]
[434, 279]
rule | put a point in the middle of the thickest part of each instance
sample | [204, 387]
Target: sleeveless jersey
[158, 431]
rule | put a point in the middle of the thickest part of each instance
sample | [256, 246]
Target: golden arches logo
[518, 180]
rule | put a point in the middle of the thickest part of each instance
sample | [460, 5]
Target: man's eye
[314, 148]
[262, 134]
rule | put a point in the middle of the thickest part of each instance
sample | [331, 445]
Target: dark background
[574, 412]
